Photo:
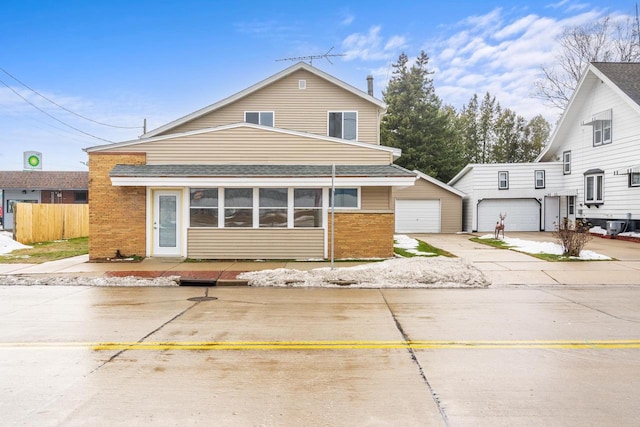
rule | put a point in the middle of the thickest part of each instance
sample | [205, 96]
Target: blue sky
[119, 62]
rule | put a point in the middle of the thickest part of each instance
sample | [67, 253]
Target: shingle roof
[44, 180]
[625, 75]
[258, 171]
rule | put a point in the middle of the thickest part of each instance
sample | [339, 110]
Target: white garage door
[522, 214]
[417, 216]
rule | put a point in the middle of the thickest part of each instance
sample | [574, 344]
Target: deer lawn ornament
[500, 226]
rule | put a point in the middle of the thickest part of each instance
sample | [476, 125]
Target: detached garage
[430, 206]
[522, 214]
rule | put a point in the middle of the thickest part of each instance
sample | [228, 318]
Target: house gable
[293, 107]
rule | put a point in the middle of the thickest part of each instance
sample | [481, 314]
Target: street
[553, 355]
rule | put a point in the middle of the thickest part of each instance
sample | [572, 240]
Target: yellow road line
[333, 345]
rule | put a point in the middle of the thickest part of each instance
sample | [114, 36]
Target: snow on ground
[597, 230]
[417, 272]
[88, 281]
[409, 244]
[7, 244]
[630, 234]
[543, 248]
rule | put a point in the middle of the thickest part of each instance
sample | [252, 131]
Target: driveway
[523, 355]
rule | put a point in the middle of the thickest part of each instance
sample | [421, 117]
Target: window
[307, 207]
[602, 130]
[80, 196]
[539, 179]
[302, 84]
[571, 205]
[238, 207]
[346, 198]
[594, 186]
[264, 118]
[566, 163]
[273, 207]
[634, 179]
[343, 124]
[203, 207]
[503, 180]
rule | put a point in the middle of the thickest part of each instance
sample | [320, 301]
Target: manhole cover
[198, 299]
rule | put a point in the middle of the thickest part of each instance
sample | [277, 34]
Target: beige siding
[249, 145]
[301, 243]
[376, 198]
[450, 203]
[303, 110]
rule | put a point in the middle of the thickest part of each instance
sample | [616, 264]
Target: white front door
[166, 223]
[551, 213]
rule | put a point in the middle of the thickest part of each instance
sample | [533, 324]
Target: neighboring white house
[590, 168]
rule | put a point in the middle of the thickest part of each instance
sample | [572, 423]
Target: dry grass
[47, 251]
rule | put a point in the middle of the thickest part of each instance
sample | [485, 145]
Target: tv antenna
[310, 58]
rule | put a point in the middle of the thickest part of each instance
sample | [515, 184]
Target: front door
[166, 223]
[551, 213]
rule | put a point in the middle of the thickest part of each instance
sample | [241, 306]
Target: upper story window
[343, 124]
[594, 186]
[346, 198]
[566, 163]
[601, 124]
[539, 177]
[503, 180]
[264, 118]
[634, 179]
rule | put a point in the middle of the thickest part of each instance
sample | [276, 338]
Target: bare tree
[602, 41]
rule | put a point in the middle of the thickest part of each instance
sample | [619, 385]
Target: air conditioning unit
[615, 227]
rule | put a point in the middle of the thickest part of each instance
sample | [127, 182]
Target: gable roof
[622, 77]
[43, 180]
[296, 67]
[440, 184]
[395, 152]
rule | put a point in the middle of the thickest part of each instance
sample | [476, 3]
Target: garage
[522, 214]
[417, 216]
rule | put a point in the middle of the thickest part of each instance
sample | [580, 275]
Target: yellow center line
[332, 345]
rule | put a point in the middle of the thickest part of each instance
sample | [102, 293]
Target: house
[41, 187]
[430, 206]
[252, 176]
[590, 169]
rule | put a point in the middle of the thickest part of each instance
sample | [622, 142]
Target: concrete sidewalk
[501, 267]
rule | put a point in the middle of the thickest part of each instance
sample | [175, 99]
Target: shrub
[572, 236]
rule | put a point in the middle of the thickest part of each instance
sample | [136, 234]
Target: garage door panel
[522, 214]
[417, 216]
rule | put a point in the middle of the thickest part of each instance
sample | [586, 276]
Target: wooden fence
[43, 222]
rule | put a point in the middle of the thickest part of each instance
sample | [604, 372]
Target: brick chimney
[370, 85]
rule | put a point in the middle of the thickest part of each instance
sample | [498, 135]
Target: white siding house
[591, 165]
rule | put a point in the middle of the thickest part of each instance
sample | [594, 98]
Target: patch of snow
[409, 244]
[597, 230]
[630, 234]
[88, 281]
[7, 244]
[532, 247]
[417, 272]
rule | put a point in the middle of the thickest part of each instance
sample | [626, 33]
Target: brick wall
[363, 235]
[65, 196]
[117, 215]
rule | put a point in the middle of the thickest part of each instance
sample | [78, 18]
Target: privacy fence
[42, 222]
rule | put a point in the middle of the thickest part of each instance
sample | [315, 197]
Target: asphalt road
[549, 356]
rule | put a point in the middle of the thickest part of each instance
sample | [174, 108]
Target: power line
[53, 117]
[64, 108]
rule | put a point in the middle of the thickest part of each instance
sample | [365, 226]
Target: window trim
[535, 179]
[566, 162]
[506, 174]
[599, 126]
[260, 112]
[598, 178]
[571, 205]
[329, 112]
[358, 199]
[631, 175]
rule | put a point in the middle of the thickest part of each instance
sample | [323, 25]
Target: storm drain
[200, 299]
[197, 282]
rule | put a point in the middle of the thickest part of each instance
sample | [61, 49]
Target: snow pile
[88, 281]
[544, 248]
[598, 230]
[417, 272]
[630, 234]
[7, 244]
[409, 244]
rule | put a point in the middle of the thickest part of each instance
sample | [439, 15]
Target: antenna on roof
[310, 58]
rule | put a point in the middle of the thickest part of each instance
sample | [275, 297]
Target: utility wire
[54, 118]
[64, 108]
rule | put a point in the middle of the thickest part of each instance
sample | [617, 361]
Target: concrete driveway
[549, 356]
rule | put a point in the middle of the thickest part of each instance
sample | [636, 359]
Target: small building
[41, 187]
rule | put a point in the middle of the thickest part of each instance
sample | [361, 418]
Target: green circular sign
[33, 161]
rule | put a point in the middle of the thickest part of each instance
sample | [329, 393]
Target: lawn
[47, 251]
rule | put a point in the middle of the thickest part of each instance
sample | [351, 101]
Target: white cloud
[371, 46]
